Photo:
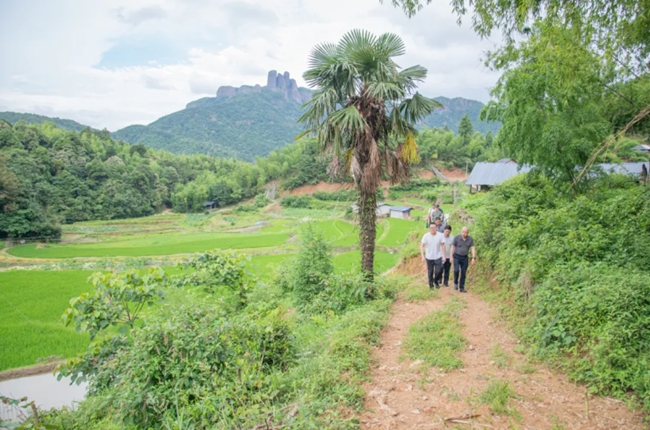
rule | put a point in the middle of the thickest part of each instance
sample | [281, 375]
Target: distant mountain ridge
[31, 118]
[249, 121]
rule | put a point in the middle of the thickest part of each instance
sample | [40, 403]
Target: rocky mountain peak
[280, 82]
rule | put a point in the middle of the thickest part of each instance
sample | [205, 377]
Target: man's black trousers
[460, 265]
[434, 271]
[446, 267]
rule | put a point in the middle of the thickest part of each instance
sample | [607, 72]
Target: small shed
[403, 212]
[383, 210]
[644, 147]
[210, 205]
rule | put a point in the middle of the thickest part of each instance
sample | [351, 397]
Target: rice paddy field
[36, 285]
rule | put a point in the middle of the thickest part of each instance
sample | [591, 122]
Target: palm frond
[322, 103]
[390, 45]
[355, 40]
[385, 91]
[417, 107]
[348, 119]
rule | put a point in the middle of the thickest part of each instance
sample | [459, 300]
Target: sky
[113, 63]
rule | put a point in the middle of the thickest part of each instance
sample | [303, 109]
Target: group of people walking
[441, 251]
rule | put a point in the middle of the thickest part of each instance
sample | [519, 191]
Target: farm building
[644, 147]
[486, 175]
[210, 205]
[403, 212]
[383, 210]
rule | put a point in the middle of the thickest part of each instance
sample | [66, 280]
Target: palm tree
[363, 110]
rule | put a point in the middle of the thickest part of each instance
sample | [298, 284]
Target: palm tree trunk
[367, 230]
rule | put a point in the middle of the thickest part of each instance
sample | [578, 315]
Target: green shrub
[340, 195]
[311, 268]
[191, 357]
[217, 268]
[290, 201]
[600, 315]
[417, 184]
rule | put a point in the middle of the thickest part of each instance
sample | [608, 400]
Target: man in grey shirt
[460, 249]
[446, 264]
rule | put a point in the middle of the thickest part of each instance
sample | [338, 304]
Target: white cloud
[52, 71]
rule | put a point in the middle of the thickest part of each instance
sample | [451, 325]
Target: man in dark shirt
[460, 249]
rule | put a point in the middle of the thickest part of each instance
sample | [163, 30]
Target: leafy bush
[296, 201]
[341, 195]
[197, 359]
[215, 269]
[315, 286]
[311, 268]
[600, 315]
[117, 299]
[416, 184]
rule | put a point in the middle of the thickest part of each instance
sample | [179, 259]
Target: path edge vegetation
[569, 307]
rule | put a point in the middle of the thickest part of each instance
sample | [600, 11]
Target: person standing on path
[439, 226]
[433, 214]
[460, 249]
[446, 263]
[432, 242]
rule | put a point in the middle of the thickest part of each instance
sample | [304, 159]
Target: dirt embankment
[455, 174]
[321, 186]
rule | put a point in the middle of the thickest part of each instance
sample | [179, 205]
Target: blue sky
[112, 63]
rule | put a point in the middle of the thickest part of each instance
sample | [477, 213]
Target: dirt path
[398, 396]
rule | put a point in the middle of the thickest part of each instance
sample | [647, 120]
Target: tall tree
[465, 129]
[549, 99]
[363, 110]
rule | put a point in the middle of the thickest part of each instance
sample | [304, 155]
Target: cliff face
[278, 82]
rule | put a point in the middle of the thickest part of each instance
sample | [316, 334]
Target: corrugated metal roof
[494, 173]
[624, 168]
[400, 208]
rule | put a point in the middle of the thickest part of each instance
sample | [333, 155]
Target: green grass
[398, 230]
[30, 322]
[436, 339]
[497, 396]
[500, 357]
[351, 260]
[158, 244]
[420, 292]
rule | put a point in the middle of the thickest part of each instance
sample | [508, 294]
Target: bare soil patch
[321, 186]
[455, 174]
[400, 396]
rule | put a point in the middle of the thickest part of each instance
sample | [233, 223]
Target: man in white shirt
[433, 244]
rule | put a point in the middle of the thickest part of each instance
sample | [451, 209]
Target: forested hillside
[242, 127]
[453, 112]
[50, 176]
[253, 124]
